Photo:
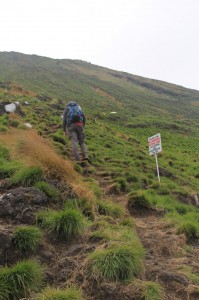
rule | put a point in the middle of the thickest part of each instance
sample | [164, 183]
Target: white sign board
[155, 145]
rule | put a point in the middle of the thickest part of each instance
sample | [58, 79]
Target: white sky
[153, 38]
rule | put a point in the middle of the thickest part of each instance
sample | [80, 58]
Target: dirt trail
[167, 254]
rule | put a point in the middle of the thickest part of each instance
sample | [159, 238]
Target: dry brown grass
[34, 150]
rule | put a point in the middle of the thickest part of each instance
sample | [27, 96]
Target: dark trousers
[76, 135]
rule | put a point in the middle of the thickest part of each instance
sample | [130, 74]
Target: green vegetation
[52, 192]
[114, 264]
[83, 205]
[66, 224]
[110, 209]
[121, 164]
[20, 280]
[56, 294]
[27, 238]
[26, 176]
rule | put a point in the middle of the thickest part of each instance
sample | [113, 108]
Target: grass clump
[56, 294]
[147, 290]
[4, 153]
[4, 288]
[48, 189]
[86, 206]
[66, 224]
[139, 200]
[27, 238]
[117, 263]
[20, 280]
[189, 228]
[110, 209]
[27, 176]
[152, 291]
[8, 168]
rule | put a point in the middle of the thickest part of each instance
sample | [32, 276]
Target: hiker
[73, 125]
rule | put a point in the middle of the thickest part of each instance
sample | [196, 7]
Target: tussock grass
[20, 280]
[139, 200]
[66, 224]
[117, 263]
[8, 168]
[189, 228]
[87, 207]
[146, 290]
[57, 294]
[109, 208]
[27, 238]
[27, 176]
[187, 223]
[4, 288]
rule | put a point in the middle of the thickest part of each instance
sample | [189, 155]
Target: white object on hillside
[28, 125]
[113, 112]
[10, 107]
[17, 103]
[26, 102]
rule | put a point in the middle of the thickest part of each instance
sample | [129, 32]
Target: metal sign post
[156, 159]
[155, 147]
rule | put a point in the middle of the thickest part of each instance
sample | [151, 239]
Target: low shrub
[110, 209]
[27, 238]
[118, 263]
[56, 294]
[20, 280]
[27, 176]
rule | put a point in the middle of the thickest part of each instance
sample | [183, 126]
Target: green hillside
[122, 111]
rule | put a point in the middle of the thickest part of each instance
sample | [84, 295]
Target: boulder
[20, 204]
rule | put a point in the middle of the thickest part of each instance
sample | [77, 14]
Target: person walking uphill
[73, 124]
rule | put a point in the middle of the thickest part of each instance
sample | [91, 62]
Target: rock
[10, 107]
[20, 204]
[5, 238]
[28, 125]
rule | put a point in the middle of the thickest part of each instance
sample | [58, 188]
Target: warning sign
[154, 143]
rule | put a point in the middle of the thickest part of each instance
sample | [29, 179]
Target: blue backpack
[74, 113]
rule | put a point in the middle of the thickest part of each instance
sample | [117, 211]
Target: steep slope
[165, 213]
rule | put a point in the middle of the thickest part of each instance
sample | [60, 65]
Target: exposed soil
[166, 252]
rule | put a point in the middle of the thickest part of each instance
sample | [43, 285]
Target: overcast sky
[153, 38]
